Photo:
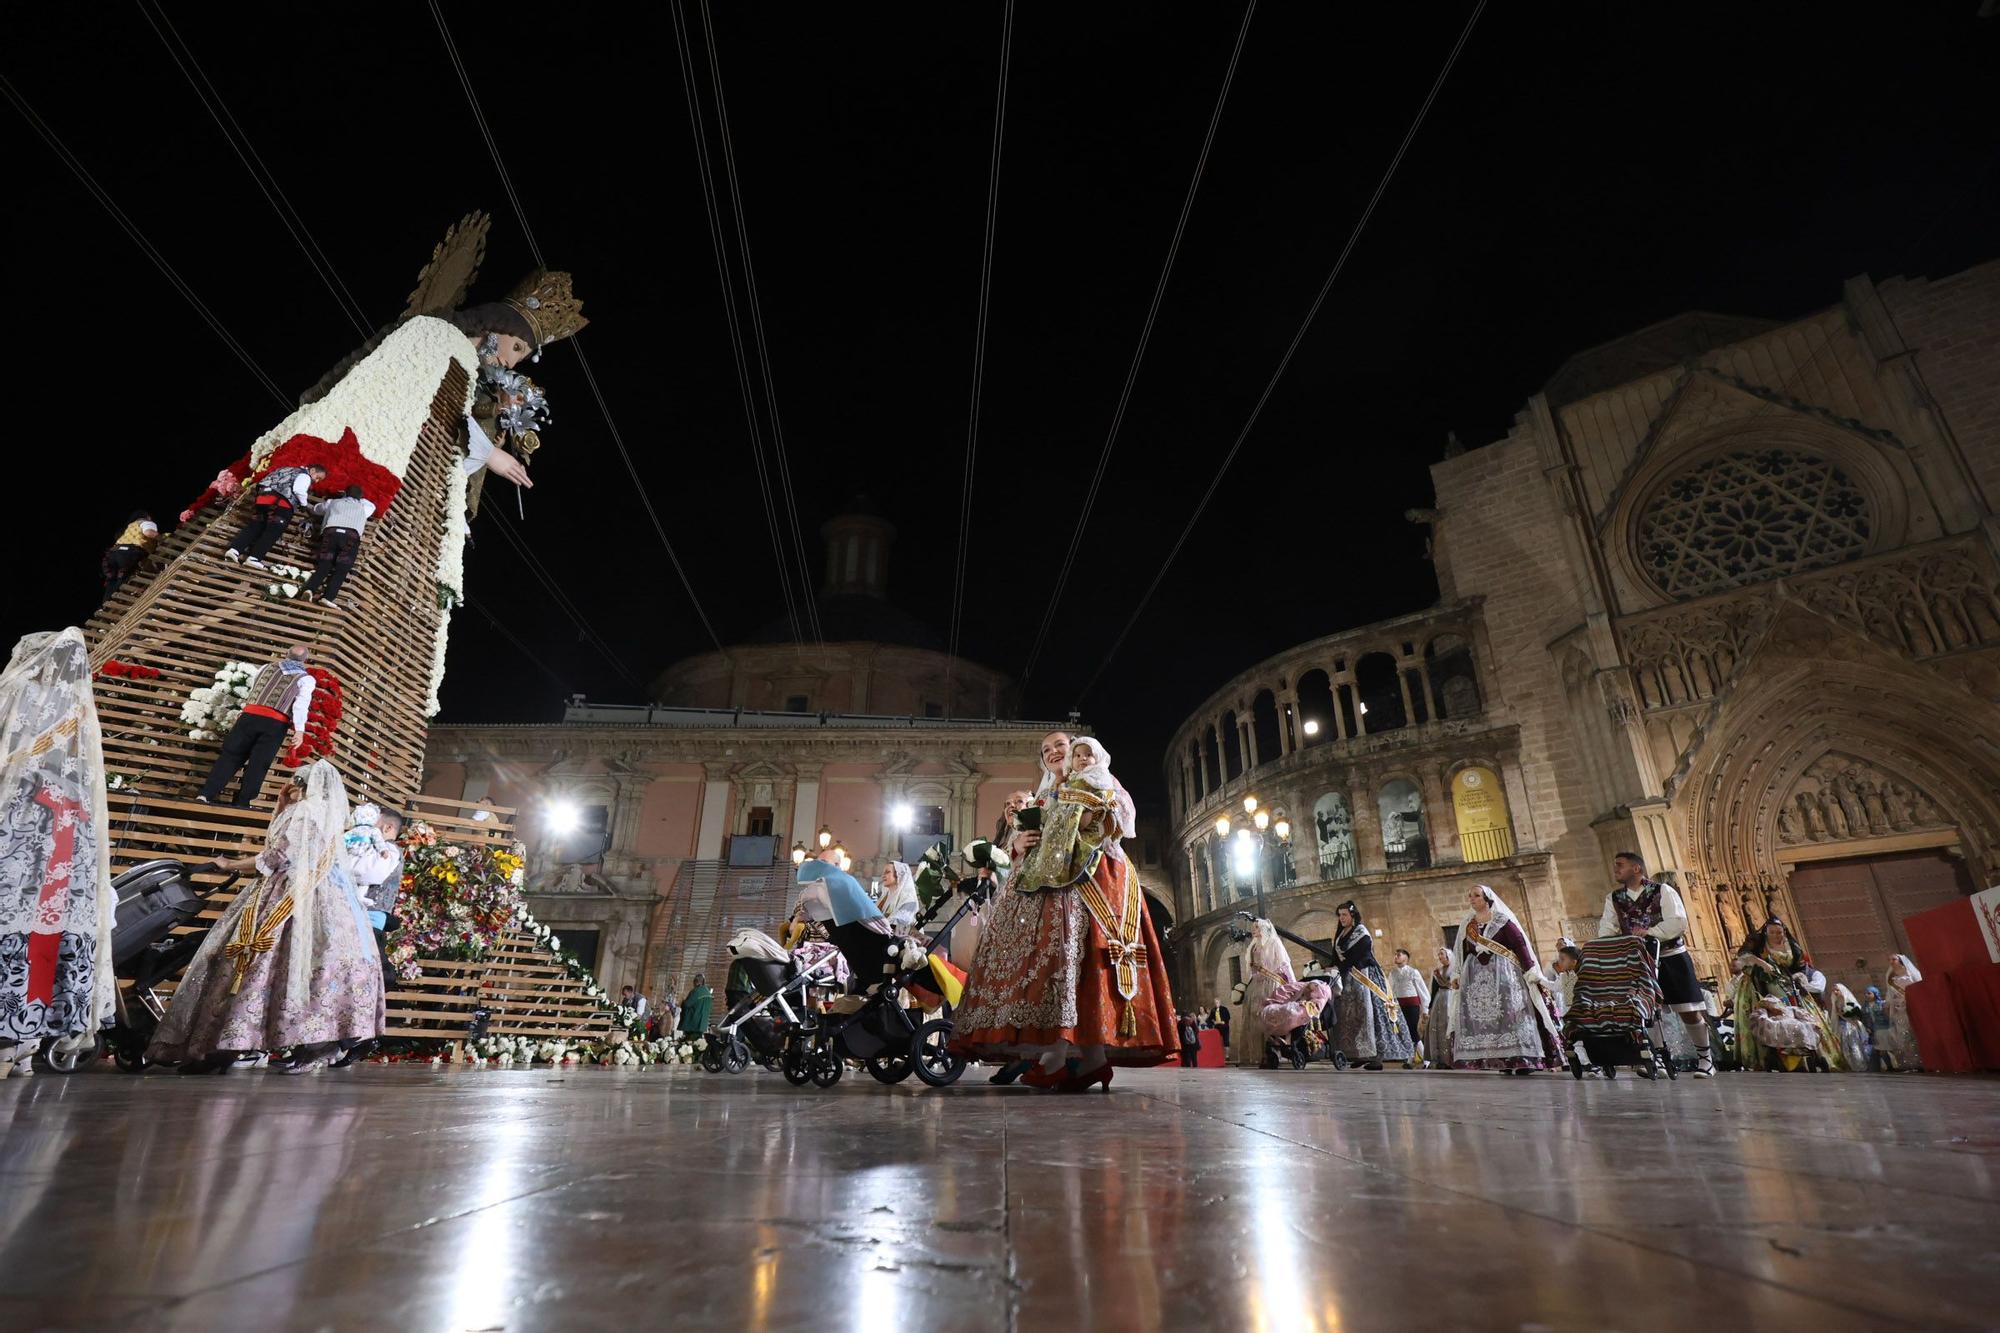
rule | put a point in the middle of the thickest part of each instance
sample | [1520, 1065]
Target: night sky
[1588, 170]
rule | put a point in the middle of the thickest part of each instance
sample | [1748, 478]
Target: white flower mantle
[385, 399]
[212, 710]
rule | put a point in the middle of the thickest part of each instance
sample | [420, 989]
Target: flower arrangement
[457, 900]
[509, 1051]
[120, 781]
[622, 1015]
[290, 579]
[117, 670]
[212, 709]
[322, 716]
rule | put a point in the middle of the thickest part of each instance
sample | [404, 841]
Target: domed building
[656, 830]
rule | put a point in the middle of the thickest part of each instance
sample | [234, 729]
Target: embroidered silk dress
[244, 993]
[1045, 973]
[1754, 984]
[1498, 1020]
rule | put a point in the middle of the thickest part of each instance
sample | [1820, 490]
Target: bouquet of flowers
[120, 781]
[983, 854]
[933, 875]
[115, 669]
[456, 902]
[322, 716]
[1029, 817]
[212, 710]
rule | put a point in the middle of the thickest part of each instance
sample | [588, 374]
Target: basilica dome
[877, 658]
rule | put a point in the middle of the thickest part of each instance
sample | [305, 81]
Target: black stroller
[155, 899]
[778, 1022]
[893, 1042]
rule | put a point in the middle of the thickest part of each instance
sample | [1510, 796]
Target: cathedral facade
[1727, 594]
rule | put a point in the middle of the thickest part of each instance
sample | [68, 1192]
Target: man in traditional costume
[134, 542]
[292, 963]
[57, 906]
[1648, 908]
[341, 521]
[1371, 1027]
[1069, 972]
[280, 492]
[1412, 997]
[274, 716]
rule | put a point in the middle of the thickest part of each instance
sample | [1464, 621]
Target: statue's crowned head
[547, 301]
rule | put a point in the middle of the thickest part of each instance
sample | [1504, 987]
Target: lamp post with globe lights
[1263, 829]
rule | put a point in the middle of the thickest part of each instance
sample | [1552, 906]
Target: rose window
[1748, 516]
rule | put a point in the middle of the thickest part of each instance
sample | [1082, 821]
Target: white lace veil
[51, 777]
[307, 833]
[1904, 962]
[1268, 952]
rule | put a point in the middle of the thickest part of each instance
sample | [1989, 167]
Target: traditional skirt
[1496, 1026]
[213, 1012]
[1367, 1035]
[1043, 976]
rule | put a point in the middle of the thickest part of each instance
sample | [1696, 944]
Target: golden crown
[545, 300]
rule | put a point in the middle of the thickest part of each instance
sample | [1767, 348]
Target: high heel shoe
[1047, 1082]
[1084, 1082]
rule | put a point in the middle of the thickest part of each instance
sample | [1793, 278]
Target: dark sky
[1587, 170]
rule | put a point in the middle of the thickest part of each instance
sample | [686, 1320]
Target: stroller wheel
[1668, 1061]
[49, 1060]
[890, 1068]
[826, 1070]
[1575, 1067]
[735, 1056]
[795, 1065]
[1611, 1071]
[712, 1058]
[936, 1063]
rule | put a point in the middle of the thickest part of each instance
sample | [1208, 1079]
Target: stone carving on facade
[1841, 797]
[1922, 604]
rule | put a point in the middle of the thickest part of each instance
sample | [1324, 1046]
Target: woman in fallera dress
[1499, 1002]
[1069, 974]
[292, 963]
[1371, 1027]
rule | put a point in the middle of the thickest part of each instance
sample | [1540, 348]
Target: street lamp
[1265, 828]
[825, 837]
[798, 853]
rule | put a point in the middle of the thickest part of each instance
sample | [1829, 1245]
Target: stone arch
[1454, 682]
[1378, 680]
[1316, 706]
[1264, 727]
[1823, 692]
[1233, 758]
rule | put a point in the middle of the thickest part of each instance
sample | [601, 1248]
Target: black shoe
[1374, 1065]
[360, 1050]
[218, 1063]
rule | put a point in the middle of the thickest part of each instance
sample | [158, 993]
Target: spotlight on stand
[903, 817]
[563, 817]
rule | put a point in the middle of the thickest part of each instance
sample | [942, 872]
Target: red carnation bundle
[127, 670]
[322, 716]
[342, 460]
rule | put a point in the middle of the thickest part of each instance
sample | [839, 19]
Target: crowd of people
[1488, 1004]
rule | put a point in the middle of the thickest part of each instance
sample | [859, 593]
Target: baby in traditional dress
[1090, 785]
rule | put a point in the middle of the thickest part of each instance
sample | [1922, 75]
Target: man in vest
[340, 522]
[274, 716]
[280, 492]
[1650, 909]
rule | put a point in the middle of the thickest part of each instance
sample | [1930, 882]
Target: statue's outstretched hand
[503, 464]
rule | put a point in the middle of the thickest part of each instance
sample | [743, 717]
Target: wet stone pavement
[407, 1197]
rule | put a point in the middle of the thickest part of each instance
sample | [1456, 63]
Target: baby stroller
[1614, 1018]
[155, 899]
[779, 1023]
[1786, 1030]
[892, 1041]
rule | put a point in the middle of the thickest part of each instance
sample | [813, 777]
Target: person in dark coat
[1190, 1040]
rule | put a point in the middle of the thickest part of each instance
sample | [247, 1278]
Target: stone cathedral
[1727, 593]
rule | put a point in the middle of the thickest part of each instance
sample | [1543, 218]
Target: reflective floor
[409, 1198]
